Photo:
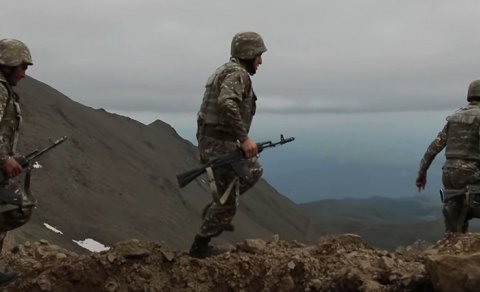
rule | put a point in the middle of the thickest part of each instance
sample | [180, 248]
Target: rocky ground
[337, 263]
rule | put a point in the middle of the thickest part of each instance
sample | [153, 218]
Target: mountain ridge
[114, 179]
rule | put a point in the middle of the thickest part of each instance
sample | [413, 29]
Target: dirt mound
[337, 263]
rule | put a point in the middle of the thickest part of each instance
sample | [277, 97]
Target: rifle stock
[185, 178]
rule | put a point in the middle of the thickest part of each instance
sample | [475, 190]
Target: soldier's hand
[11, 167]
[421, 182]
[249, 147]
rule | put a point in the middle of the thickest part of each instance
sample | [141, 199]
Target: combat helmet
[14, 52]
[474, 90]
[247, 45]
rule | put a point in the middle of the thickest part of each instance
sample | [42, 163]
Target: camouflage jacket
[228, 105]
[460, 136]
[10, 119]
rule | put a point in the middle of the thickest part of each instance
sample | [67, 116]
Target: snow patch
[52, 228]
[91, 245]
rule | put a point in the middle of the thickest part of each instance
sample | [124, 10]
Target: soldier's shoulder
[235, 70]
[469, 114]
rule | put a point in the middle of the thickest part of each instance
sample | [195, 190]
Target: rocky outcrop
[454, 263]
[337, 263]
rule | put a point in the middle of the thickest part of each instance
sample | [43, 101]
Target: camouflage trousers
[457, 175]
[217, 217]
[15, 215]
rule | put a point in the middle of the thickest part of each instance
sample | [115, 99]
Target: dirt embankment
[337, 263]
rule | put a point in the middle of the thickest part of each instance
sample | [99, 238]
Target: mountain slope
[114, 179]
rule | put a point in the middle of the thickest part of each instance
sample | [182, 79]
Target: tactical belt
[452, 193]
[210, 131]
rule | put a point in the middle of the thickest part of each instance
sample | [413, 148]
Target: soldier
[461, 171]
[223, 122]
[14, 61]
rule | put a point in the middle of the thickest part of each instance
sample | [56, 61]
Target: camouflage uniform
[15, 208]
[461, 170]
[224, 120]
[12, 53]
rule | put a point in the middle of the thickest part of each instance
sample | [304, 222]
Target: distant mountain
[305, 177]
[383, 222]
[114, 179]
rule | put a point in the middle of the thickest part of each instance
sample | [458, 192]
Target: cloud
[328, 56]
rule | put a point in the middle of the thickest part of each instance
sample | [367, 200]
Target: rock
[111, 257]
[253, 245]
[61, 256]
[44, 283]
[288, 284]
[111, 285]
[131, 250]
[168, 255]
[454, 272]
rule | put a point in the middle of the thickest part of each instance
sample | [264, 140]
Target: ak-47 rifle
[227, 159]
[25, 161]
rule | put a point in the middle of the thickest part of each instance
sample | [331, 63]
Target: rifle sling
[211, 183]
[235, 182]
[222, 200]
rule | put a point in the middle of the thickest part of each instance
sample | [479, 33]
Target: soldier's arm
[9, 165]
[433, 149]
[3, 104]
[232, 90]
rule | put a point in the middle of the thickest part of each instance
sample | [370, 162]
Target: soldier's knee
[15, 218]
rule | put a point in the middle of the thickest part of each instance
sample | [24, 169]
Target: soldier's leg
[453, 209]
[256, 172]
[451, 213]
[216, 216]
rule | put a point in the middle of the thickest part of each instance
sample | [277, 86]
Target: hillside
[114, 179]
[382, 222]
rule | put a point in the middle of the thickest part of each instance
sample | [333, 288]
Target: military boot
[7, 277]
[200, 248]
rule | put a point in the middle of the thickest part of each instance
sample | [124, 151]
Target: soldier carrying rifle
[224, 121]
[14, 60]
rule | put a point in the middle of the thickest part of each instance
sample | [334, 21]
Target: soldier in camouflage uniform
[224, 121]
[14, 61]
[461, 171]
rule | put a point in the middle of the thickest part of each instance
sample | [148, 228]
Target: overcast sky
[323, 56]
[334, 70]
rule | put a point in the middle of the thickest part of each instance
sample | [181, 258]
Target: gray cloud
[328, 56]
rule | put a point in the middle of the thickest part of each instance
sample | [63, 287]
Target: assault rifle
[231, 158]
[25, 161]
